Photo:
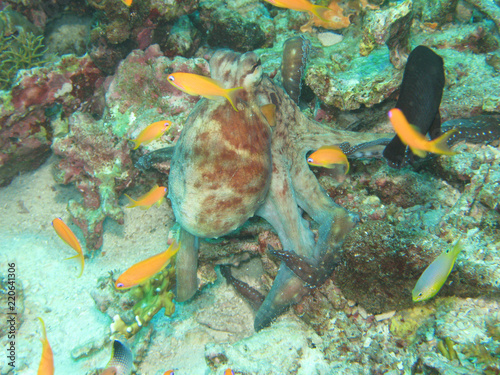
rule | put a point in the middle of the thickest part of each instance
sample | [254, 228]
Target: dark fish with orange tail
[419, 99]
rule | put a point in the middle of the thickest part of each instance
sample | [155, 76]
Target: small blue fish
[435, 275]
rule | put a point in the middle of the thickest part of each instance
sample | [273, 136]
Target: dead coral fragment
[21, 51]
[445, 347]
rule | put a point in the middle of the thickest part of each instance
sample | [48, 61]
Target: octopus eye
[171, 78]
[254, 66]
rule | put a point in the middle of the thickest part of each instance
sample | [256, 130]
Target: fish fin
[418, 152]
[160, 201]
[440, 144]
[269, 112]
[133, 202]
[231, 95]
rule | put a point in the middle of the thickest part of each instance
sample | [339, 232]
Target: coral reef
[133, 309]
[99, 165]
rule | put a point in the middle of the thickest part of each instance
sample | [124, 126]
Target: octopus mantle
[230, 165]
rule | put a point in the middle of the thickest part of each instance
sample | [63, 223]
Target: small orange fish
[127, 2]
[169, 372]
[142, 271]
[194, 84]
[327, 157]
[303, 6]
[46, 366]
[417, 142]
[151, 132]
[229, 372]
[69, 237]
[155, 195]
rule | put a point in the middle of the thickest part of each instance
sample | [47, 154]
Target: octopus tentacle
[186, 264]
[252, 295]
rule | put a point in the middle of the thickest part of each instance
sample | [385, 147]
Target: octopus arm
[186, 264]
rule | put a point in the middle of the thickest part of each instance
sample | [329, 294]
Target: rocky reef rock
[40, 98]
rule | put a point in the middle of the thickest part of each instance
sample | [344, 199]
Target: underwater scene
[249, 187]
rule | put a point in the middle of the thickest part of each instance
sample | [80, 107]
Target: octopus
[228, 166]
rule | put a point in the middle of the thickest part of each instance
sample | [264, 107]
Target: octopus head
[234, 69]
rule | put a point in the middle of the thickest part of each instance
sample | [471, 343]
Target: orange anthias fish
[303, 6]
[169, 372]
[127, 2]
[229, 372]
[69, 237]
[328, 157]
[417, 142]
[194, 84]
[151, 132]
[46, 366]
[142, 271]
[155, 195]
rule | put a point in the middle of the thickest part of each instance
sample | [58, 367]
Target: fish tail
[136, 143]
[321, 12]
[231, 95]
[346, 163]
[133, 202]
[43, 328]
[82, 261]
[440, 144]
[172, 249]
[420, 153]
[456, 249]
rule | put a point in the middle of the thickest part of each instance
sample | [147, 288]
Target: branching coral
[22, 51]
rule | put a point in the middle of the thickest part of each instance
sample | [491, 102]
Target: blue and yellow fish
[435, 275]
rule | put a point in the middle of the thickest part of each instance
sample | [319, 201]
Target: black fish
[419, 99]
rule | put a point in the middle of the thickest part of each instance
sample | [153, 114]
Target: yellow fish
[194, 84]
[46, 366]
[303, 6]
[435, 275]
[328, 157]
[67, 235]
[151, 132]
[155, 195]
[144, 270]
[127, 2]
[417, 142]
